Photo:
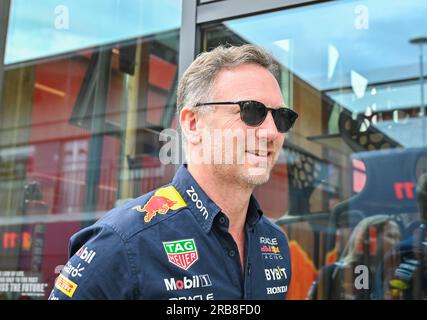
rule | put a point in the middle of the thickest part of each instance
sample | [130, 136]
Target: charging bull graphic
[163, 199]
[155, 205]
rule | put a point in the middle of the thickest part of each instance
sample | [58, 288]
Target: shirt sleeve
[99, 267]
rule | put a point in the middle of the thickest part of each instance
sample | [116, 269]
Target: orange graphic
[275, 249]
[331, 256]
[160, 203]
[304, 272]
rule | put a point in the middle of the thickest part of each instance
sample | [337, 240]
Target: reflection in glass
[359, 147]
[55, 27]
[79, 131]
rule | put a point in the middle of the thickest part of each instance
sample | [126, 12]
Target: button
[222, 220]
[231, 253]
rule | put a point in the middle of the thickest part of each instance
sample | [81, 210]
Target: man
[203, 236]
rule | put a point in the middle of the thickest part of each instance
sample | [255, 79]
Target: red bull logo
[272, 249]
[161, 202]
[157, 204]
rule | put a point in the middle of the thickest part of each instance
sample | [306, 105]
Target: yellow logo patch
[65, 285]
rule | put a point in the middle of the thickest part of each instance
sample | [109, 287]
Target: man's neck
[231, 198]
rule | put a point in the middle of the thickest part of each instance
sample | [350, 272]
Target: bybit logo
[275, 274]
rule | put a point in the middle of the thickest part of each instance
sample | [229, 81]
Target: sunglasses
[253, 113]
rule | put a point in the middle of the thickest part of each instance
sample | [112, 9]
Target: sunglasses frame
[292, 118]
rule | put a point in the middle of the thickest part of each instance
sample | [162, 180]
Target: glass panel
[350, 186]
[52, 27]
[79, 135]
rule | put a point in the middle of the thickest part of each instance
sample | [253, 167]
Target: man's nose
[270, 131]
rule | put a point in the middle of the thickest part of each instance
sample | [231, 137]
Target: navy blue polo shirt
[173, 243]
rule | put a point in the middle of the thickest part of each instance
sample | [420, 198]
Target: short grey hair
[197, 81]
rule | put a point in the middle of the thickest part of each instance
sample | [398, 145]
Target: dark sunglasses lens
[284, 119]
[253, 113]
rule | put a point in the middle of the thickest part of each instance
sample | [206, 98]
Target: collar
[202, 207]
[254, 212]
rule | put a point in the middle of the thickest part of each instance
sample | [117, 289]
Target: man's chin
[257, 175]
[248, 176]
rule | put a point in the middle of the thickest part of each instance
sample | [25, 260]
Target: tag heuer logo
[182, 253]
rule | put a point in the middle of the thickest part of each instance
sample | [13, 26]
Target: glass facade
[79, 120]
[89, 85]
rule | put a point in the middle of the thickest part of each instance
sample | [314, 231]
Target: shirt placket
[247, 286]
[231, 253]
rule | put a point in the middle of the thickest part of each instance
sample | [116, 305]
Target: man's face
[254, 150]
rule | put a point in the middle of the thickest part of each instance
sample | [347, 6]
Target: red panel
[161, 73]
[107, 192]
[156, 106]
[56, 88]
[55, 248]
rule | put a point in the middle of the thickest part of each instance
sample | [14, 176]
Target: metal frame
[187, 37]
[93, 174]
[4, 22]
[227, 9]
[195, 13]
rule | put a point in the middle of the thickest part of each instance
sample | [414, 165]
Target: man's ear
[188, 120]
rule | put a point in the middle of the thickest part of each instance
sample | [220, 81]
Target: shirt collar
[254, 212]
[203, 208]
